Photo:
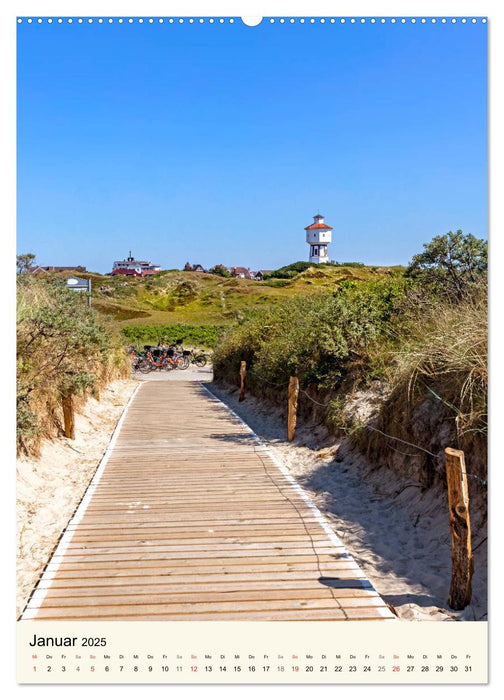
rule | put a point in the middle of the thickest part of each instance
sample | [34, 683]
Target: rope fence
[244, 370]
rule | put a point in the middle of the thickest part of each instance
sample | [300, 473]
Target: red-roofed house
[242, 272]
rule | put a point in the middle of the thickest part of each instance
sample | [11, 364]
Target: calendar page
[251, 347]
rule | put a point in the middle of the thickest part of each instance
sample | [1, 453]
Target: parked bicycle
[162, 359]
[198, 358]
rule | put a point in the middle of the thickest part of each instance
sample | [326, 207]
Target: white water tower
[318, 236]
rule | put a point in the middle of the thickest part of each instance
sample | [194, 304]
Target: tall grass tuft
[446, 355]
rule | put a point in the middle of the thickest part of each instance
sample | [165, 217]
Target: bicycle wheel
[200, 361]
[145, 366]
[184, 362]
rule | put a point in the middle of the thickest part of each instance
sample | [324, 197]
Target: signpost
[80, 285]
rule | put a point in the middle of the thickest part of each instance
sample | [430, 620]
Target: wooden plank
[328, 569]
[174, 609]
[208, 579]
[275, 588]
[281, 596]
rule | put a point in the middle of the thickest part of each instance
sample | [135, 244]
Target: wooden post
[68, 417]
[458, 504]
[293, 401]
[243, 372]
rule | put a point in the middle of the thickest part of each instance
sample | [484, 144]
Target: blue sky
[218, 143]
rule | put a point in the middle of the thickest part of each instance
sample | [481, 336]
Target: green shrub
[203, 336]
[62, 350]
[314, 337]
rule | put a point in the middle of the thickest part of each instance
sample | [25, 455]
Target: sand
[50, 488]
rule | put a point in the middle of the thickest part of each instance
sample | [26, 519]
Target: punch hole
[252, 21]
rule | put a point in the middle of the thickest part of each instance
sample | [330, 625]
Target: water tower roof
[318, 226]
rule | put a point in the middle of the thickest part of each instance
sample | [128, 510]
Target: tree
[24, 262]
[220, 270]
[452, 264]
[187, 267]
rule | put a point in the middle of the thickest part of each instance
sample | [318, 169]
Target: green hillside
[174, 297]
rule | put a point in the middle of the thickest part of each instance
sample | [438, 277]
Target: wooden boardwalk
[189, 517]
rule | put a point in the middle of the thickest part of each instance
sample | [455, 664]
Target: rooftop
[307, 228]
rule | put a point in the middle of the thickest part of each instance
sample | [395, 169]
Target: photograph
[251, 377]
